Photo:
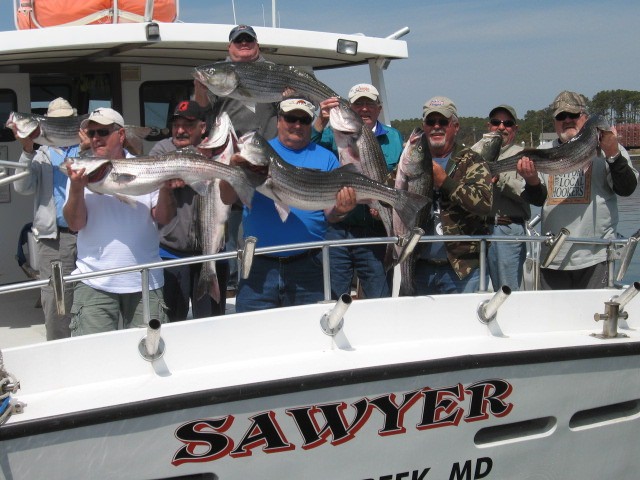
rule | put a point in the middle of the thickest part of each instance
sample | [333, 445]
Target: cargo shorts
[97, 311]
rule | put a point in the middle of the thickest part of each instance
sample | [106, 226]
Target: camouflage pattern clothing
[465, 203]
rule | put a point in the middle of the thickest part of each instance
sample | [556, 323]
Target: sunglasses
[101, 132]
[432, 122]
[293, 119]
[507, 123]
[564, 115]
[244, 38]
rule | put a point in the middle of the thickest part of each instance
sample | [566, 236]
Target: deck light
[348, 47]
[153, 31]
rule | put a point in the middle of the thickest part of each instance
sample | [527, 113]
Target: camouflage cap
[442, 105]
[570, 102]
[507, 108]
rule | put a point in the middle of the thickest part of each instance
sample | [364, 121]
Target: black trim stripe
[311, 382]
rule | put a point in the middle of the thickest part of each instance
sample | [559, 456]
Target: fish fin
[349, 168]
[208, 282]
[408, 206]
[283, 210]
[201, 186]
[123, 177]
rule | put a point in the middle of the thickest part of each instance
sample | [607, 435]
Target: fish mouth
[99, 173]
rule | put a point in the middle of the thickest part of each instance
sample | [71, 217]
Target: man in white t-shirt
[113, 234]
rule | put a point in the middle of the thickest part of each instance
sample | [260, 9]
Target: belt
[504, 220]
[441, 262]
[290, 258]
[66, 230]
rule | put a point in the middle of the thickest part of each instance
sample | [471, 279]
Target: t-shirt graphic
[572, 187]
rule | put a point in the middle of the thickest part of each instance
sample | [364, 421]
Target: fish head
[599, 122]
[25, 123]
[414, 148]
[254, 148]
[220, 78]
[488, 147]
[219, 134]
[95, 168]
[347, 128]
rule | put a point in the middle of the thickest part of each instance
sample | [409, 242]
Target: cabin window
[157, 101]
[8, 104]
[42, 94]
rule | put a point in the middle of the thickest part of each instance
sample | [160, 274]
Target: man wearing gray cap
[55, 241]
[510, 210]
[583, 201]
[462, 201]
[113, 234]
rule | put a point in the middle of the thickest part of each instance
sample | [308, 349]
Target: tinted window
[8, 104]
[158, 100]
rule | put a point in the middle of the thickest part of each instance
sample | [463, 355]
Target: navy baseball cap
[242, 29]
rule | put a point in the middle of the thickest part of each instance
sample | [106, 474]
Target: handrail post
[146, 313]
[483, 266]
[326, 273]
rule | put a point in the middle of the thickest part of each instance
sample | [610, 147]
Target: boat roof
[184, 44]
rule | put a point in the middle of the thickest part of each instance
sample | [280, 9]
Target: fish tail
[408, 206]
[208, 282]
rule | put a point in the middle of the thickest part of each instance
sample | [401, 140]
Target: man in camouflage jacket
[462, 202]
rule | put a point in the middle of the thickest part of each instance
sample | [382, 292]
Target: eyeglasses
[564, 115]
[293, 119]
[101, 132]
[507, 123]
[432, 122]
[364, 103]
[244, 38]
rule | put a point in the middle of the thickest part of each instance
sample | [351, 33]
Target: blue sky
[479, 53]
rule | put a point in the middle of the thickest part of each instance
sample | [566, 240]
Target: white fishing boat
[523, 385]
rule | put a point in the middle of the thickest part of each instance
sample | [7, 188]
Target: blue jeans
[505, 260]
[273, 284]
[432, 279]
[365, 260]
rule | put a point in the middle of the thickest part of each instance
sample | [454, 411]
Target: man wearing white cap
[55, 241]
[113, 234]
[292, 277]
[584, 201]
[366, 261]
[462, 201]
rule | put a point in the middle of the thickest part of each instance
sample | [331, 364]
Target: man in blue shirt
[367, 261]
[54, 239]
[295, 277]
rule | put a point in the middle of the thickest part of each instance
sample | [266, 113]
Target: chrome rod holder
[626, 296]
[626, 256]
[245, 256]
[488, 309]
[409, 243]
[555, 243]
[57, 283]
[151, 346]
[333, 321]
[610, 318]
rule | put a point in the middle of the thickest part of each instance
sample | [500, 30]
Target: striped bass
[140, 175]
[212, 212]
[263, 82]
[488, 147]
[309, 189]
[566, 157]
[414, 174]
[64, 131]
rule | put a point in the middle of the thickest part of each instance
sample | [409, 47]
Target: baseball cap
[104, 116]
[363, 90]
[60, 108]
[291, 104]
[442, 105]
[190, 110]
[507, 108]
[239, 30]
[570, 102]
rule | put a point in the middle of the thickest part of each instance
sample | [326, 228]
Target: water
[629, 223]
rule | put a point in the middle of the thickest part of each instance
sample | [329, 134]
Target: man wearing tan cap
[365, 261]
[291, 277]
[54, 239]
[584, 201]
[113, 234]
[462, 202]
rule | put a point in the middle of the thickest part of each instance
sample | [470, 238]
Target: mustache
[182, 136]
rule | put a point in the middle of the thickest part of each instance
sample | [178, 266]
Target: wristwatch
[610, 160]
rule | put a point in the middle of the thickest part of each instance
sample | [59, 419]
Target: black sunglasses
[101, 132]
[293, 119]
[244, 38]
[507, 123]
[432, 122]
[564, 115]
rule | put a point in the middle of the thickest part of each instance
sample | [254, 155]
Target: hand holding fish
[609, 142]
[526, 168]
[323, 117]
[345, 202]
[26, 142]
[439, 175]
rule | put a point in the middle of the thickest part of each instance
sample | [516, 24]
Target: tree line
[618, 106]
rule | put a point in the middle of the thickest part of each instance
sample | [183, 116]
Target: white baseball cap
[291, 104]
[363, 90]
[104, 116]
